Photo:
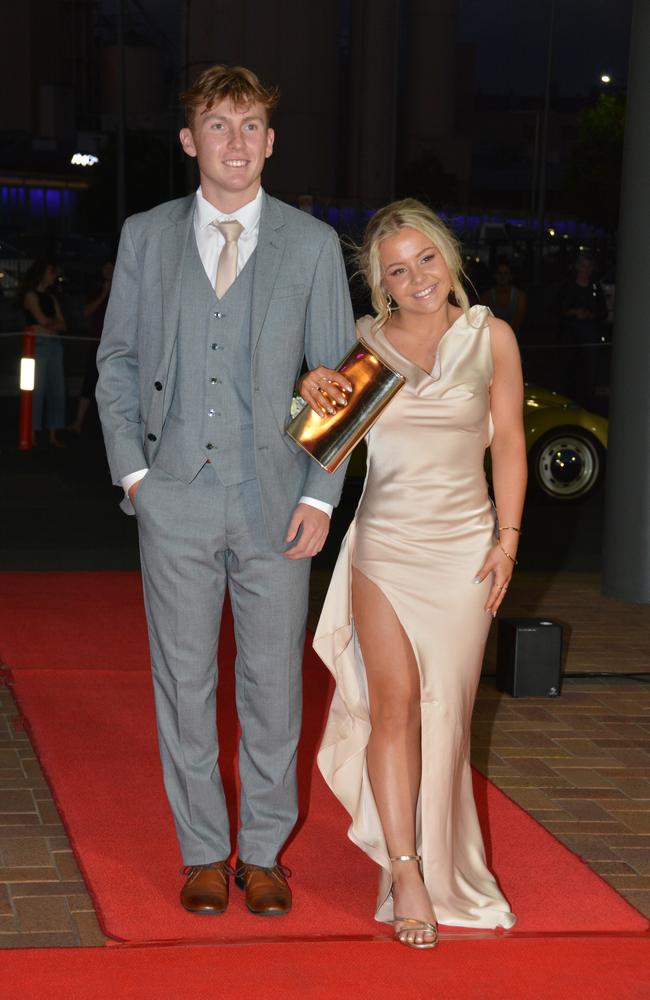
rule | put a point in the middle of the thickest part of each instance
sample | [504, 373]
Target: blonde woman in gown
[421, 573]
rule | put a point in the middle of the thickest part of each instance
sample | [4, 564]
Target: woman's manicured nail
[476, 579]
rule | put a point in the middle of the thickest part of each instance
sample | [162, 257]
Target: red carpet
[511, 969]
[95, 738]
[95, 735]
[88, 620]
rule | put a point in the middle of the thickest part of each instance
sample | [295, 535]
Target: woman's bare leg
[394, 752]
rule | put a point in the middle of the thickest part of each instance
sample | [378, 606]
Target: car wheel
[566, 464]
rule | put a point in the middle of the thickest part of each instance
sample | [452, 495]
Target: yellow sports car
[566, 446]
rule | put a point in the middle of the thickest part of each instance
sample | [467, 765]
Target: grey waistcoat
[210, 416]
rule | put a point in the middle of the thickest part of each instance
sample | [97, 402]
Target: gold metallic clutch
[330, 439]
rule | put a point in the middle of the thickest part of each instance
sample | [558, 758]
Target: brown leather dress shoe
[206, 888]
[267, 890]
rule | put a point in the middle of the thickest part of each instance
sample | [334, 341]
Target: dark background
[495, 113]
[441, 98]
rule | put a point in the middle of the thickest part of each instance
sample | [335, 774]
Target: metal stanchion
[27, 378]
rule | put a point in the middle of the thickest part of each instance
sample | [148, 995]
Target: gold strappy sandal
[422, 926]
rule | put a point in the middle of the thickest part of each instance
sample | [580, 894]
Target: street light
[605, 78]
[84, 160]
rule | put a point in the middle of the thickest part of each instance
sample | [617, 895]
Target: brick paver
[594, 808]
[43, 899]
[580, 764]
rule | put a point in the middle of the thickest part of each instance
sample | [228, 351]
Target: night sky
[510, 36]
[591, 37]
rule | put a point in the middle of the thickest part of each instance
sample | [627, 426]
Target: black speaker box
[529, 656]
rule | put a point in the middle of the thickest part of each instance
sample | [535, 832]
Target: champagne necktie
[227, 265]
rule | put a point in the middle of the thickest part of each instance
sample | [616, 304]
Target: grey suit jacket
[301, 308]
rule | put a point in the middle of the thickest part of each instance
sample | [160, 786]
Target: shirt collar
[248, 215]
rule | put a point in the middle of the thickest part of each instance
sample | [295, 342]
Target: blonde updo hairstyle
[389, 220]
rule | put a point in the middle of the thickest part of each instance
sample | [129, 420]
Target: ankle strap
[406, 857]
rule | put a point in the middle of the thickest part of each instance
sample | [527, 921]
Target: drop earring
[389, 304]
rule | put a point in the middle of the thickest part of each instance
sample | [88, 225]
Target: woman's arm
[324, 389]
[98, 300]
[59, 323]
[508, 449]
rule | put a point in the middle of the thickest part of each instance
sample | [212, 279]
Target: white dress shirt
[210, 243]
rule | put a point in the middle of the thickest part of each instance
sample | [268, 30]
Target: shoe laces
[243, 869]
[221, 866]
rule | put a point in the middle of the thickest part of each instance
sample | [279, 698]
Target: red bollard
[27, 374]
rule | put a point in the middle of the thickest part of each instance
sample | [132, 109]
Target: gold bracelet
[510, 527]
[511, 558]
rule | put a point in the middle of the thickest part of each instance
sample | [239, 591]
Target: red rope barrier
[25, 426]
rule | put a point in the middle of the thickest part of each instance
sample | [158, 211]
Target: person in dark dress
[506, 301]
[42, 311]
[583, 310]
[94, 311]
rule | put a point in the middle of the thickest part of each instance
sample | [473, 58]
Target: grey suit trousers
[195, 540]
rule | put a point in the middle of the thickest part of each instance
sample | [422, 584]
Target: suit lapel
[173, 243]
[270, 251]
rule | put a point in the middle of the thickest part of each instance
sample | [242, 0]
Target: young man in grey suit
[216, 300]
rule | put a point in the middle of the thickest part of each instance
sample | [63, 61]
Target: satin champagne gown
[423, 527]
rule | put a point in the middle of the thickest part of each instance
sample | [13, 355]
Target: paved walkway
[580, 764]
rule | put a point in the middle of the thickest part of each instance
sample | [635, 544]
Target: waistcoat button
[157, 385]
[151, 437]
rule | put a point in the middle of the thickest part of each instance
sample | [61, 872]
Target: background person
[583, 310]
[94, 311]
[42, 310]
[506, 301]
[427, 566]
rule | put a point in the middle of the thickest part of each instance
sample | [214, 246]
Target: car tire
[566, 464]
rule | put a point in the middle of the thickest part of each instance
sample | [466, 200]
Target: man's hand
[315, 525]
[134, 489]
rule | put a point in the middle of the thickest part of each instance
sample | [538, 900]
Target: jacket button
[151, 437]
[157, 385]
